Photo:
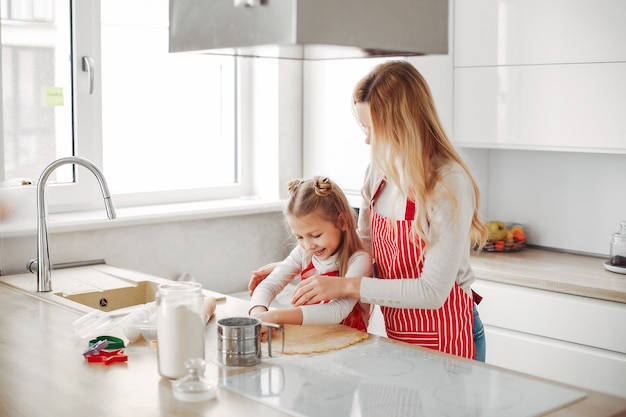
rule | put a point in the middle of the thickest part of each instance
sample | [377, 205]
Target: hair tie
[293, 185]
[323, 187]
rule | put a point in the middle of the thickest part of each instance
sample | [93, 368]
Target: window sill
[133, 216]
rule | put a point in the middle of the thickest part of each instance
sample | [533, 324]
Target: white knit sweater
[360, 264]
[447, 257]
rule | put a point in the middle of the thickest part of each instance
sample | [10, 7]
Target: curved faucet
[44, 282]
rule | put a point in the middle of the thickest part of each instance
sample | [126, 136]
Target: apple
[496, 230]
[517, 228]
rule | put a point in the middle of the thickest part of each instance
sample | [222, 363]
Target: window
[36, 77]
[168, 119]
[161, 126]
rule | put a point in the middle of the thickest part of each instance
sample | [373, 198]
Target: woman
[420, 215]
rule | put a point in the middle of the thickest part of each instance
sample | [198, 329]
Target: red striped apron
[446, 329]
[356, 318]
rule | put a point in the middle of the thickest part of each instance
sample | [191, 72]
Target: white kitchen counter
[45, 373]
[552, 271]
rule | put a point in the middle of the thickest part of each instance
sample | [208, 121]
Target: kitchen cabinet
[555, 315]
[562, 337]
[540, 75]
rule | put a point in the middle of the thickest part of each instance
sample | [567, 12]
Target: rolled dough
[316, 339]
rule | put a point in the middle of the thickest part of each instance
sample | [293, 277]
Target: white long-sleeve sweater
[447, 257]
[360, 264]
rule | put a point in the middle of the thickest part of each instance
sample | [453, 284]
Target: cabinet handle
[249, 3]
[89, 67]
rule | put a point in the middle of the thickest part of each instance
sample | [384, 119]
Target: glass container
[618, 247]
[180, 327]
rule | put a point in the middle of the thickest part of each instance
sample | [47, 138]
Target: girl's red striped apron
[357, 317]
[446, 329]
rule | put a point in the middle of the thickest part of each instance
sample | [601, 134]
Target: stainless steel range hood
[309, 29]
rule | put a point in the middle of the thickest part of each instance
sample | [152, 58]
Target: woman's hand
[259, 275]
[318, 288]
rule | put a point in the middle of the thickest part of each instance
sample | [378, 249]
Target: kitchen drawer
[569, 318]
[570, 363]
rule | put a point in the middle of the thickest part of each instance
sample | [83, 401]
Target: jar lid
[620, 234]
[194, 387]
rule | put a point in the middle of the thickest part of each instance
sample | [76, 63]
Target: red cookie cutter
[108, 356]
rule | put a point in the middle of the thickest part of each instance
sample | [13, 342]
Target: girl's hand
[256, 311]
[261, 313]
[259, 275]
[276, 316]
[319, 288]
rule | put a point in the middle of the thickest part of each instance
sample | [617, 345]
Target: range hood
[309, 29]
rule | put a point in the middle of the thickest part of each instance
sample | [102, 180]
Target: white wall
[571, 201]
[220, 253]
[333, 142]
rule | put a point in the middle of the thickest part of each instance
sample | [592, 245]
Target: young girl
[420, 214]
[324, 224]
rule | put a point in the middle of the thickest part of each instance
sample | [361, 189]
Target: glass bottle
[180, 327]
[618, 247]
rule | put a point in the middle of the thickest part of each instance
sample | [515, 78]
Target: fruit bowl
[505, 237]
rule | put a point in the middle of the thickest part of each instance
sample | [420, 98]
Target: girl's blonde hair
[408, 141]
[323, 197]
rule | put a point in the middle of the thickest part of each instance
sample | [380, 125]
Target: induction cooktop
[379, 378]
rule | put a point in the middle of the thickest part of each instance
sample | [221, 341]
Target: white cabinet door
[496, 32]
[542, 107]
[570, 318]
[540, 75]
[570, 363]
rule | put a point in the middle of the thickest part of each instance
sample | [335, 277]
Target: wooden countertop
[44, 373]
[552, 271]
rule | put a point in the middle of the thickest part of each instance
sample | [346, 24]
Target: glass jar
[180, 327]
[618, 247]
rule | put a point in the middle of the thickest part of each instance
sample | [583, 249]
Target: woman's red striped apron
[357, 317]
[446, 329]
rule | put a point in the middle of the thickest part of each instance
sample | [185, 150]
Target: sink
[100, 287]
[104, 294]
[107, 300]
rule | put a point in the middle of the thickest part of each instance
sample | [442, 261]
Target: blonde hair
[323, 197]
[408, 141]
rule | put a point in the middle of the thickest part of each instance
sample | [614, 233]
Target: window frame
[84, 193]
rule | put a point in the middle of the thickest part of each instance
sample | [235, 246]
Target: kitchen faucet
[44, 282]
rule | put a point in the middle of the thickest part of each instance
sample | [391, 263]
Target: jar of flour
[180, 327]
